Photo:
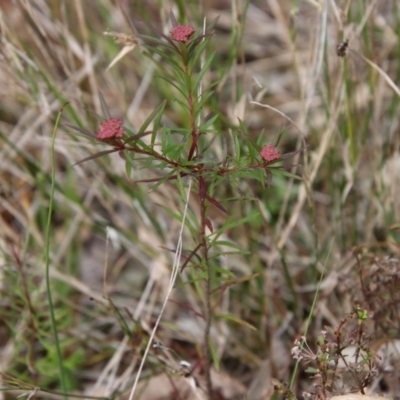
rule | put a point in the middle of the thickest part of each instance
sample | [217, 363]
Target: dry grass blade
[283, 54]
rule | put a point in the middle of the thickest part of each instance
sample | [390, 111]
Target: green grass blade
[47, 259]
[311, 313]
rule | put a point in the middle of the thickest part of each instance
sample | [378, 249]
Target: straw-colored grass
[112, 242]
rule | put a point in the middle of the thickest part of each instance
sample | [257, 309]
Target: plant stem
[194, 150]
[207, 353]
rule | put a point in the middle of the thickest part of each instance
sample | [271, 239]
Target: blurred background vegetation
[112, 240]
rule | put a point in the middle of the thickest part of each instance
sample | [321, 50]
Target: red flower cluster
[111, 128]
[269, 153]
[182, 33]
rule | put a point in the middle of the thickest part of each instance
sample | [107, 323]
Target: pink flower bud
[269, 153]
[111, 128]
[181, 33]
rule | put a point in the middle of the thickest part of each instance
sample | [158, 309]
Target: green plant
[334, 370]
[186, 156]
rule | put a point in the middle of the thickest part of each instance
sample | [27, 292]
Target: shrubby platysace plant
[188, 152]
[302, 351]
[332, 368]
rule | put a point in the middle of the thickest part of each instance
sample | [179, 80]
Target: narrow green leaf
[260, 139]
[243, 127]
[225, 243]
[206, 125]
[283, 172]
[203, 70]
[156, 40]
[161, 181]
[129, 162]
[233, 222]
[201, 102]
[212, 24]
[172, 83]
[164, 139]
[121, 319]
[236, 282]
[195, 53]
[183, 105]
[237, 321]
[157, 119]
[237, 147]
[219, 253]
[156, 114]
[181, 187]
[223, 271]
[85, 132]
[170, 60]
[93, 156]
[174, 151]
[214, 355]
[175, 215]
